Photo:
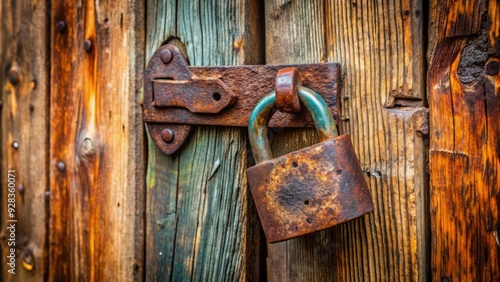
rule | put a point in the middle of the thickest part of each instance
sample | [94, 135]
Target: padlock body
[309, 190]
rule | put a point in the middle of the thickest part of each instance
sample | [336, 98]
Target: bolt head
[61, 27]
[87, 45]
[165, 56]
[167, 135]
[15, 145]
[492, 67]
[61, 166]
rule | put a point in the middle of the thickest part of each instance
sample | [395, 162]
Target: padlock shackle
[264, 110]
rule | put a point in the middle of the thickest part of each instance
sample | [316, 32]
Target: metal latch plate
[177, 96]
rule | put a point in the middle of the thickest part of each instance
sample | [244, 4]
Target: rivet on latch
[167, 135]
[492, 67]
[166, 56]
[61, 27]
[87, 45]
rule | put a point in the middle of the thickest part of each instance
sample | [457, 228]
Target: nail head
[87, 45]
[492, 67]
[14, 76]
[61, 166]
[61, 27]
[15, 145]
[20, 188]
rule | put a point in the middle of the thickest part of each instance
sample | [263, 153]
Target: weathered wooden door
[96, 200]
[201, 223]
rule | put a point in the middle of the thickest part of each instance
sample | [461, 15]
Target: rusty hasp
[307, 190]
[178, 94]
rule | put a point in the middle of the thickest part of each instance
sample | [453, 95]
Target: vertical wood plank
[464, 102]
[24, 110]
[200, 220]
[378, 45]
[96, 153]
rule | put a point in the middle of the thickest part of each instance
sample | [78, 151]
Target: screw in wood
[87, 45]
[61, 27]
[492, 67]
[167, 135]
[15, 145]
[61, 166]
[165, 56]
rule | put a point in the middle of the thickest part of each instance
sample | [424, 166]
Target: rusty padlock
[307, 190]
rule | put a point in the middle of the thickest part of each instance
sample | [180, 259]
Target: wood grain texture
[385, 37]
[200, 220]
[24, 111]
[96, 200]
[464, 102]
[379, 48]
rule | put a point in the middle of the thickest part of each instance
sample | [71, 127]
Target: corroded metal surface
[287, 95]
[175, 93]
[266, 108]
[178, 132]
[309, 190]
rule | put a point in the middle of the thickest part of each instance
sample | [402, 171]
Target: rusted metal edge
[176, 94]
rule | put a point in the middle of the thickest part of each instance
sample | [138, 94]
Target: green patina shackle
[264, 110]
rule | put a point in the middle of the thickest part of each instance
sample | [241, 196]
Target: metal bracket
[177, 96]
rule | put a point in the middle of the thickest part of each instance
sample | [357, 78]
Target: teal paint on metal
[264, 110]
